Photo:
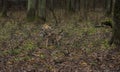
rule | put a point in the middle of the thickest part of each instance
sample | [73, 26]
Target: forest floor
[74, 44]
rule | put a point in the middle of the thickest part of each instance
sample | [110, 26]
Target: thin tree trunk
[111, 8]
[52, 4]
[85, 9]
[94, 5]
[73, 5]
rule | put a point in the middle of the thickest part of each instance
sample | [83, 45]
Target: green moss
[14, 51]
[25, 58]
[11, 52]
[4, 34]
[91, 31]
[29, 45]
[4, 53]
[105, 45]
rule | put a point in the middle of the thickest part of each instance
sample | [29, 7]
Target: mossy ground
[83, 48]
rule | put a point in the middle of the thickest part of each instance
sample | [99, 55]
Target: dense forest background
[70, 5]
[59, 36]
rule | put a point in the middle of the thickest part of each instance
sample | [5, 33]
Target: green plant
[14, 51]
[29, 45]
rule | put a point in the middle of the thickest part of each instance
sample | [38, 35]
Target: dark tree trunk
[111, 7]
[116, 28]
[42, 9]
[51, 3]
[31, 10]
[77, 5]
[94, 5]
[70, 5]
[85, 9]
[4, 8]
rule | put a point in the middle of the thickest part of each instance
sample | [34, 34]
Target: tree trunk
[108, 8]
[31, 10]
[94, 5]
[85, 9]
[68, 5]
[42, 9]
[52, 4]
[116, 28]
[4, 8]
[77, 5]
[111, 7]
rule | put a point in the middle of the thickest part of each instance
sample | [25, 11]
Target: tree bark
[94, 5]
[42, 9]
[4, 8]
[70, 5]
[31, 10]
[109, 7]
[116, 28]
